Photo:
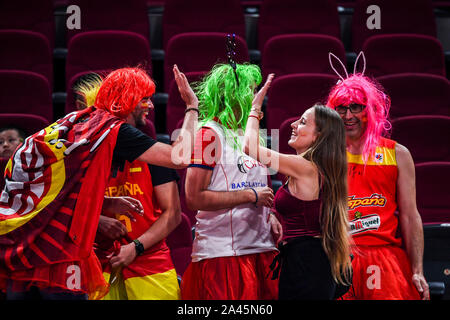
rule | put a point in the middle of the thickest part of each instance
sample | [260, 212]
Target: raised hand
[186, 92]
[259, 96]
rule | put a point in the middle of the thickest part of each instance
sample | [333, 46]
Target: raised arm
[290, 165]
[251, 136]
[178, 154]
[410, 220]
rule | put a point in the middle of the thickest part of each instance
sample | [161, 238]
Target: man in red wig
[141, 267]
[54, 189]
[381, 182]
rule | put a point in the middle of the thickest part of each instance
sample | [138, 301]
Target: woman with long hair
[312, 205]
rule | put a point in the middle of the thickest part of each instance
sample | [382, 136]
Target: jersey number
[125, 220]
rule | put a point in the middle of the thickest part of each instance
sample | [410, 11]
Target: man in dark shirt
[142, 269]
[65, 186]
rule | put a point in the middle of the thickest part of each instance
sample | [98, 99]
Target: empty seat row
[275, 17]
[289, 95]
[100, 51]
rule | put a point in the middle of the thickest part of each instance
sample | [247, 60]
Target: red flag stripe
[53, 242]
[22, 258]
[8, 253]
[66, 210]
[39, 253]
[58, 225]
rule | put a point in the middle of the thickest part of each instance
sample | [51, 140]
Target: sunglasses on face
[354, 108]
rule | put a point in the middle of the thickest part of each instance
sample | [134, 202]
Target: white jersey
[240, 230]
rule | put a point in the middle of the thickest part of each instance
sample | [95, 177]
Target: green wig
[221, 97]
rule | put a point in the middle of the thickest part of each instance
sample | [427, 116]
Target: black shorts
[305, 271]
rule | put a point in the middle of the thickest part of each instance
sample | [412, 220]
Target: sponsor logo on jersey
[247, 184]
[246, 164]
[375, 200]
[379, 157]
[366, 223]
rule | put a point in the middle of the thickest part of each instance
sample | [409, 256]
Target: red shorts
[381, 273]
[230, 278]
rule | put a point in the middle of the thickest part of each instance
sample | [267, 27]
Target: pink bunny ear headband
[361, 54]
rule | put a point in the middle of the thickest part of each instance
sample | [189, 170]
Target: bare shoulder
[301, 165]
[403, 155]
[401, 150]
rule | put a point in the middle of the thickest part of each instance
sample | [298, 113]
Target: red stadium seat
[399, 16]
[432, 192]
[400, 53]
[182, 16]
[291, 95]
[293, 17]
[441, 4]
[179, 242]
[283, 138]
[346, 3]
[116, 15]
[417, 94]
[29, 123]
[300, 53]
[426, 137]
[198, 52]
[285, 135]
[155, 3]
[34, 16]
[106, 50]
[25, 92]
[26, 50]
[188, 212]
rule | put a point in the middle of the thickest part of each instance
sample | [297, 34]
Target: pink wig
[122, 90]
[362, 90]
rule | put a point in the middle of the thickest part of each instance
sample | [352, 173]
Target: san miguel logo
[375, 200]
[366, 223]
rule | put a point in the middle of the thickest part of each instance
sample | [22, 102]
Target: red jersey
[372, 196]
[135, 181]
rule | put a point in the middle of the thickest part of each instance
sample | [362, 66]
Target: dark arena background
[46, 46]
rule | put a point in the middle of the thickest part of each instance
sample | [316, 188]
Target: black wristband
[256, 195]
[191, 109]
[139, 247]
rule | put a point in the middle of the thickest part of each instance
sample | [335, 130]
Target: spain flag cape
[55, 181]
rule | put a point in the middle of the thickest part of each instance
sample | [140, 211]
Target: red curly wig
[122, 90]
